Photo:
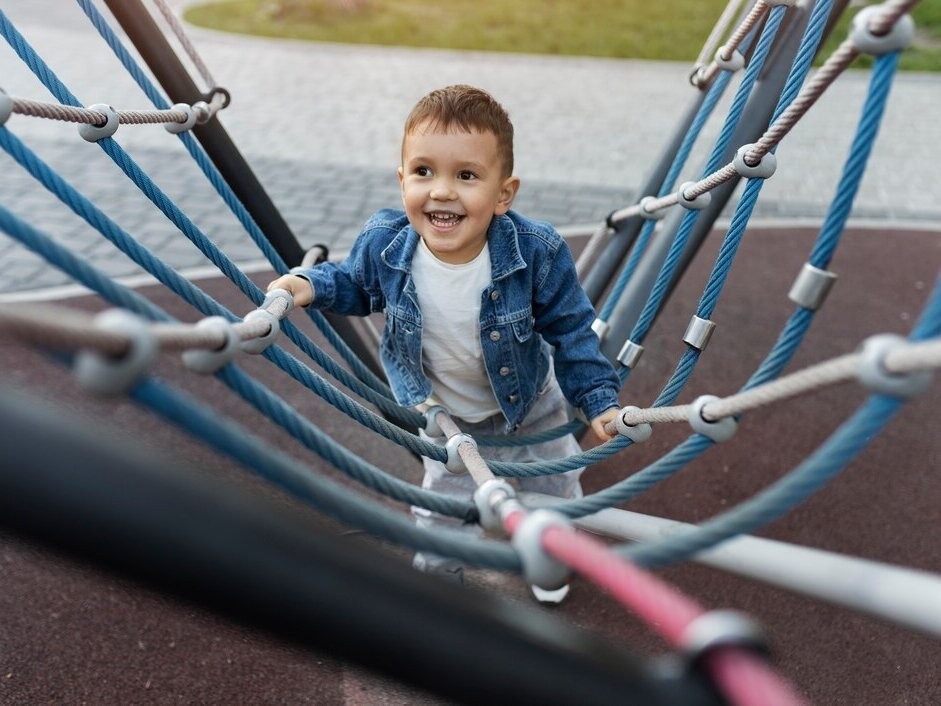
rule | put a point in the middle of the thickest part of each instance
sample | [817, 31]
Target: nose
[442, 190]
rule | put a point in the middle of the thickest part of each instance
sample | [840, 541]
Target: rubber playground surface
[74, 634]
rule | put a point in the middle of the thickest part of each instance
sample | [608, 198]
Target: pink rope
[743, 679]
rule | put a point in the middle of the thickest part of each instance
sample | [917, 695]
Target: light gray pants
[549, 411]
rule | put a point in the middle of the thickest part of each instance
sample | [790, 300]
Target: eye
[422, 171]
[466, 175]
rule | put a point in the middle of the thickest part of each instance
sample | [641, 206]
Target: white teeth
[444, 217]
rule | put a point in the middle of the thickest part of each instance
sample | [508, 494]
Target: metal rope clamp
[722, 629]
[693, 204]
[638, 433]
[93, 133]
[455, 464]
[601, 328]
[873, 374]
[719, 430]
[209, 361]
[539, 568]
[188, 124]
[764, 169]
[259, 344]
[896, 39]
[6, 107]
[488, 498]
[113, 375]
[431, 420]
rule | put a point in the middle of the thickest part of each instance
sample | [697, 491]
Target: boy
[478, 300]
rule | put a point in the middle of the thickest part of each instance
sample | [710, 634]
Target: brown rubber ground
[71, 634]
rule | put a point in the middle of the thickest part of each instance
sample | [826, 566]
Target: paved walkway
[320, 124]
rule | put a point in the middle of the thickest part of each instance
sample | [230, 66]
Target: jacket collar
[505, 257]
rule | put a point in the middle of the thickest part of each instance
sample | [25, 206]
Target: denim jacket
[533, 311]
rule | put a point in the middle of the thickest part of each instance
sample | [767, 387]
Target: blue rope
[231, 200]
[193, 295]
[665, 467]
[746, 205]
[670, 264]
[796, 327]
[733, 239]
[406, 416]
[794, 488]
[319, 492]
[799, 484]
[716, 91]
[253, 392]
[854, 435]
[525, 469]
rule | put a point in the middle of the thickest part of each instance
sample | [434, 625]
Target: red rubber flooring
[71, 634]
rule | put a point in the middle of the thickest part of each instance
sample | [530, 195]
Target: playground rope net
[116, 351]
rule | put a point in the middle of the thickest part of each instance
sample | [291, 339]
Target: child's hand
[300, 288]
[598, 423]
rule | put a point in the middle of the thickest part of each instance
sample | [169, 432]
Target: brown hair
[470, 109]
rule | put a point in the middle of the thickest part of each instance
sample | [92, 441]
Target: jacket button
[504, 371]
[494, 335]
[512, 398]
[494, 295]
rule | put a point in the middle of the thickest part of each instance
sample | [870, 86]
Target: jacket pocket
[522, 325]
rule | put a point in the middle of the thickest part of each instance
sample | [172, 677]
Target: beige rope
[712, 41]
[87, 116]
[907, 358]
[835, 65]
[68, 329]
[177, 28]
[473, 461]
[754, 16]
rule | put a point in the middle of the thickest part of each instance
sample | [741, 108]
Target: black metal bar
[127, 509]
[170, 72]
[173, 76]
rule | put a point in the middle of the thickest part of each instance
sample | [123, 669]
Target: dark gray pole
[180, 87]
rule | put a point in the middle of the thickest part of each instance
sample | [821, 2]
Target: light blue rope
[796, 327]
[196, 297]
[854, 435]
[715, 92]
[524, 469]
[670, 264]
[733, 239]
[253, 392]
[317, 491]
[361, 372]
[406, 416]
[743, 213]
[800, 483]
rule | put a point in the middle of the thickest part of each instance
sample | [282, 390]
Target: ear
[507, 193]
[401, 174]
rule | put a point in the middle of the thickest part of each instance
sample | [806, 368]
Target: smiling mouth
[444, 219]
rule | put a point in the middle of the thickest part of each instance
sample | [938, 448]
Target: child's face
[452, 187]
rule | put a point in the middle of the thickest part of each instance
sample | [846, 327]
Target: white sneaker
[547, 597]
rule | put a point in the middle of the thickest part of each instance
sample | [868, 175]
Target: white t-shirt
[449, 298]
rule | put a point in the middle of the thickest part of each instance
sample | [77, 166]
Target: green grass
[673, 30]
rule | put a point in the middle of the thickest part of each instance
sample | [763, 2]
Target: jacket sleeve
[563, 316]
[350, 287]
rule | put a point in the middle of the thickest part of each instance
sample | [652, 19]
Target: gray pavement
[321, 124]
